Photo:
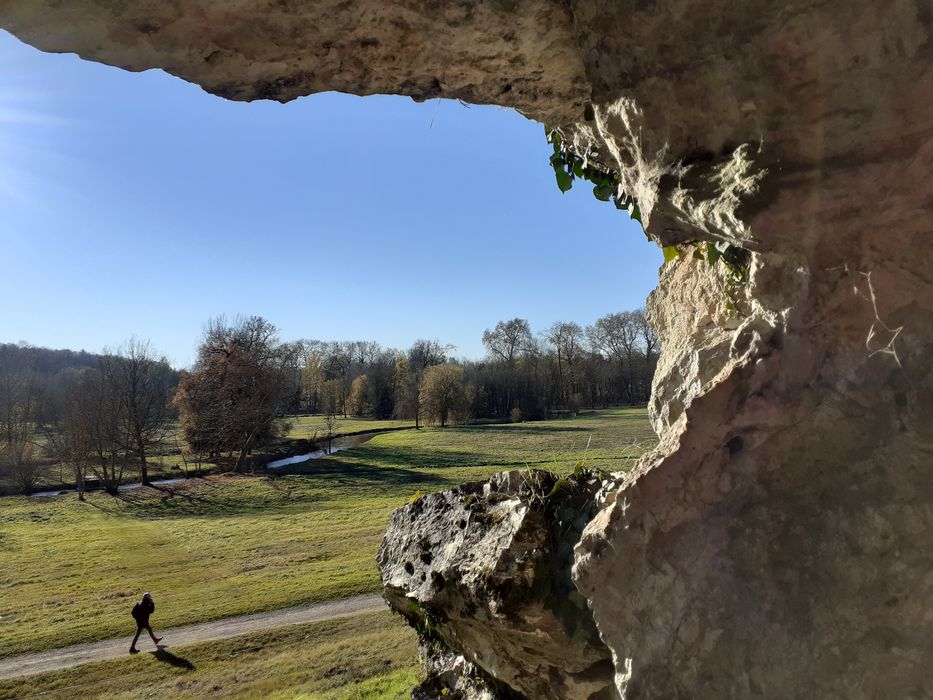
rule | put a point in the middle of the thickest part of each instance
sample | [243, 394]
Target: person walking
[141, 612]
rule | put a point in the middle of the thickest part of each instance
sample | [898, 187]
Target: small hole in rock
[438, 580]
[735, 445]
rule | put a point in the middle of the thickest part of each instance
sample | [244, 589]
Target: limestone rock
[512, 52]
[778, 543]
[483, 573]
[450, 676]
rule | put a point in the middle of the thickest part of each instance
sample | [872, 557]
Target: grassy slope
[306, 426]
[167, 462]
[363, 657]
[225, 546]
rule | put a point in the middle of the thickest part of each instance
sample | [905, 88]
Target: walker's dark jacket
[142, 611]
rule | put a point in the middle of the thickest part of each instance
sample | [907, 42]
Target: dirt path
[66, 657]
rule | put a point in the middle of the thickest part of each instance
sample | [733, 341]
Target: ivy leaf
[557, 160]
[578, 167]
[578, 468]
[635, 213]
[564, 179]
[670, 253]
[603, 191]
[558, 485]
[712, 254]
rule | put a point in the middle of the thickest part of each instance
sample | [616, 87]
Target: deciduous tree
[358, 400]
[444, 394]
[141, 380]
[237, 388]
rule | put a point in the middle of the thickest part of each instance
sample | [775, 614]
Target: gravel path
[66, 657]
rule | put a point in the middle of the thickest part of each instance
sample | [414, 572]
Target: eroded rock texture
[778, 544]
[483, 572]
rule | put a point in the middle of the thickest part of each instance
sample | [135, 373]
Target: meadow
[357, 658]
[308, 427]
[227, 545]
[168, 461]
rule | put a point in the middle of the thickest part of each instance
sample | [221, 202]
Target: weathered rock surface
[779, 543]
[483, 572]
[484, 52]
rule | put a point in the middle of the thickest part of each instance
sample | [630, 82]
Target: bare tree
[425, 353]
[19, 408]
[334, 397]
[102, 415]
[651, 347]
[19, 399]
[406, 388]
[567, 339]
[331, 430]
[617, 336]
[649, 339]
[507, 342]
[141, 381]
[20, 464]
[67, 432]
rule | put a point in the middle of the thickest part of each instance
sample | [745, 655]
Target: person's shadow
[169, 658]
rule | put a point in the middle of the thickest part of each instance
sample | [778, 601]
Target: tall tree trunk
[143, 467]
[244, 450]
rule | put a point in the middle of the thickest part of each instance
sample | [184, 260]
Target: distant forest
[109, 413]
[564, 368]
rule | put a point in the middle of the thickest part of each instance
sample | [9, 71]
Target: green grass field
[228, 545]
[307, 426]
[358, 658]
[167, 462]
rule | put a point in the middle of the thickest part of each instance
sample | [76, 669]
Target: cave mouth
[775, 543]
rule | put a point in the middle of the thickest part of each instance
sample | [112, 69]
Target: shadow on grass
[429, 470]
[538, 428]
[181, 503]
[626, 413]
[354, 472]
[167, 657]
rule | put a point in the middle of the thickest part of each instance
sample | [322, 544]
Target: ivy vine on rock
[569, 167]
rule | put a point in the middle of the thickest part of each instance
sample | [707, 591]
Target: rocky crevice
[483, 573]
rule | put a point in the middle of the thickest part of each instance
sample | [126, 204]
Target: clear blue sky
[139, 204]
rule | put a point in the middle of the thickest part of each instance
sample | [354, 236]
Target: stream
[339, 444]
[121, 487]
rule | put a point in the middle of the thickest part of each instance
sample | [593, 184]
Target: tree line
[107, 415]
[564, 368]
[97, 415]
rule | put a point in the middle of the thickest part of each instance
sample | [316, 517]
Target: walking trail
[66, 657]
